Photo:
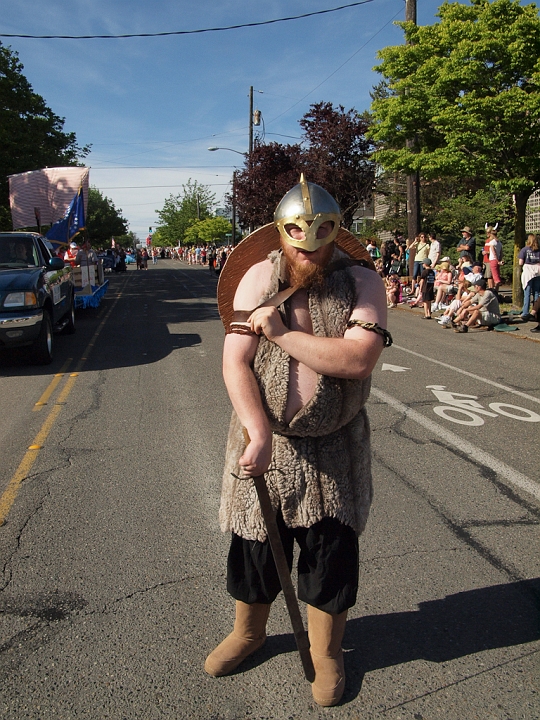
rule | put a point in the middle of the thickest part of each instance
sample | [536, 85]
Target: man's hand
[257, 455]
[267, 321]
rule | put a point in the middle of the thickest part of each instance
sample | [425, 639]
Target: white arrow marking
[393, 368]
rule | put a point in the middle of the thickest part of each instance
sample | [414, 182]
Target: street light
[213, 149]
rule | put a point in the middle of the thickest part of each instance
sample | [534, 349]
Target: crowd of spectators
[212, 256]
[466, 291]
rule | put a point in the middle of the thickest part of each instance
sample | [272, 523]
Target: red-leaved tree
[336, 155]
[270, 172]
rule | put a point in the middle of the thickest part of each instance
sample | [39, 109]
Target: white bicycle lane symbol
[466, 410]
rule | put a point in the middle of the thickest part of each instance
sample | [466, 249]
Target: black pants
[327, 566]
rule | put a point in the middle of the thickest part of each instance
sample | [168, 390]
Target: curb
[521, 334]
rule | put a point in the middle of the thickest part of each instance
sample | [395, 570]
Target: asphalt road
[112, 586]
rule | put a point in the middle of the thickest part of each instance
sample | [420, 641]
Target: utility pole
[233, 243]
[413, 181]
[250, 120]
[250, 150]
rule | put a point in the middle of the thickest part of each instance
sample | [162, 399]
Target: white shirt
[494, 249]
[434, 252]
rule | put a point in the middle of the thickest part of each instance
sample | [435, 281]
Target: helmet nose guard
[307, 202]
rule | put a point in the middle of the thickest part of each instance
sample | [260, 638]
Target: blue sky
[150, 107]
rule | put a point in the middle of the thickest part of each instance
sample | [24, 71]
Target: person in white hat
[71, 254]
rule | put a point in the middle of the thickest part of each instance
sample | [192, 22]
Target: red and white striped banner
[50, 191]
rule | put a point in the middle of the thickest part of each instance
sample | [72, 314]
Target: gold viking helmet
[307, 202]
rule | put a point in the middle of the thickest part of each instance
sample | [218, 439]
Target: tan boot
[249, 634]
[325, 634]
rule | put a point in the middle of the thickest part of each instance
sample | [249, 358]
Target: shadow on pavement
[440, 630]
[147, 323]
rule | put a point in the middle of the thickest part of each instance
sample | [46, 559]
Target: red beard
[307, 274]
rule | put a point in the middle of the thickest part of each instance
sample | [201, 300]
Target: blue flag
[73, 222]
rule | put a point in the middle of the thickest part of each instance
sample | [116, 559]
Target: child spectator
[443, 285]
[448, 315]
[393, 289]
[427, 284]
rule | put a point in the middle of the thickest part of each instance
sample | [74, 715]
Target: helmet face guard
[307, 206]
[311, 242]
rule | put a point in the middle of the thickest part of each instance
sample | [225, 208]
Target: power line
[337, 69]
[183, 32]
[160, 167]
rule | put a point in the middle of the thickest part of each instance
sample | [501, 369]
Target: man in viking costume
[297, 369]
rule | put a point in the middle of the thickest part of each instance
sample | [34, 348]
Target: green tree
[31, 135]
[208, 231]
[466, 89]
[194, 203]
[103, 220]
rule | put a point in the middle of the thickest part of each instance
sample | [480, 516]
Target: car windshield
[17, 252]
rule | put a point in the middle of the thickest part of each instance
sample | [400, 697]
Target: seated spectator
[464, 267]
[481, 309]
[473, 273]
[447, 317]
[393, 289]
[443, 285]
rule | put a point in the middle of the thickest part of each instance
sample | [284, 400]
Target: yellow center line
[22, 472]
[44, 399]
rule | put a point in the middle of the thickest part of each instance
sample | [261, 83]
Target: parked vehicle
[130, 259]
[36, 295]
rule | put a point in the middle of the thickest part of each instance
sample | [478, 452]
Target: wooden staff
[300, 635]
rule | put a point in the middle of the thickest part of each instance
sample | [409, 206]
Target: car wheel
[42, 350]
[69, 328]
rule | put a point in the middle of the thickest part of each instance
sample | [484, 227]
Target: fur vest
[321, 460]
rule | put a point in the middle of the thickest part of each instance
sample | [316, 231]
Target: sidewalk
[511, 318]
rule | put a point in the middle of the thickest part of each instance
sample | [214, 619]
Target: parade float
[59, 197]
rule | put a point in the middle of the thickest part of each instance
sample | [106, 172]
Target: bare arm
[238, 355]
[352, 357]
